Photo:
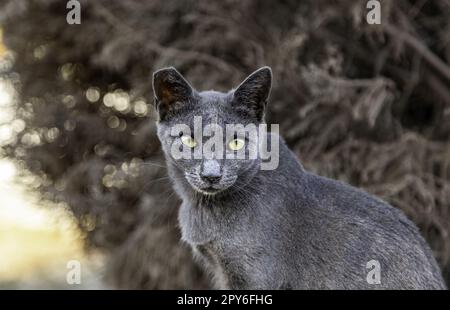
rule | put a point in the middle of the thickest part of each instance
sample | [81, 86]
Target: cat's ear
[171, 90]
[251, 96]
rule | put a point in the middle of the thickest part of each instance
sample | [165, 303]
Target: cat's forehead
[213, 100]
[214, 107]
[210, 107]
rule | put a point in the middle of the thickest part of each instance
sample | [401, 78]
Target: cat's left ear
[251, 96]
[171, 91]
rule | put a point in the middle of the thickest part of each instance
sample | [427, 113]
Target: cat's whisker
[146, 163]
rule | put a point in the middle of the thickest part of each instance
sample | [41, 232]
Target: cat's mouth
[209, 190]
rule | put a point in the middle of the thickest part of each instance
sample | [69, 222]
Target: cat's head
[215, 165]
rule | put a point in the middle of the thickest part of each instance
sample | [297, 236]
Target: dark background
[366, 104]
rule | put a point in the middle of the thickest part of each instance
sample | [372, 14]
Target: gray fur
[285, 228]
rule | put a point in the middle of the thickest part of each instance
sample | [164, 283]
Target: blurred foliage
[367, 104]
[2, 46]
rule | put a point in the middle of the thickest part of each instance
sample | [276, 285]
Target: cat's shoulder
[356, 205]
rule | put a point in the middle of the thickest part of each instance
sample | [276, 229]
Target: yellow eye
[188, 141]
[236, 144]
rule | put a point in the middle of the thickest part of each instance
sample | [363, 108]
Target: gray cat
[284, 228]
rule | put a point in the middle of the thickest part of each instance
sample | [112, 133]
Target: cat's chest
[207, 224]
[226, 264]
[213, 260]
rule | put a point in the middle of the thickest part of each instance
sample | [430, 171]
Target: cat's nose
[211, 171]
[211, 179]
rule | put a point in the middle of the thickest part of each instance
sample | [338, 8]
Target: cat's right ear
[171, 91]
